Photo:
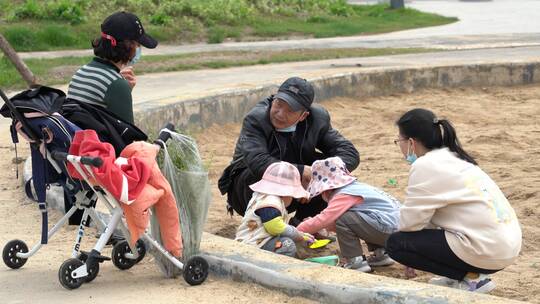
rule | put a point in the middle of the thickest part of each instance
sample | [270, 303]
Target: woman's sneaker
[358, 263]
[444, 281]
[379, 258]
[482, 284]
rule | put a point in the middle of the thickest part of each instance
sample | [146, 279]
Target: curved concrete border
[231, 107]
[323, 283]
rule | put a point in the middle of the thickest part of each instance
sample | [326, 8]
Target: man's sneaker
[444, 281]
[379, 258]
[358, 263]
[482, 284]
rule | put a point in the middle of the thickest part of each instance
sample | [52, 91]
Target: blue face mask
[411, 156]
[137, 56]
[288, 129]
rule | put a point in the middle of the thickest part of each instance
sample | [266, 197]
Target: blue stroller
[34, 115]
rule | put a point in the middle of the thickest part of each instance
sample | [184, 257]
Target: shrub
[216, 35]
[66, 10]
[30, 9]
[21, 38]
[56, 36]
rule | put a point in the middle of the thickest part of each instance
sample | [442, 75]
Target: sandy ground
[37, 280]
[498, 126]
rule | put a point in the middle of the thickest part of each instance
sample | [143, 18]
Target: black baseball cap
[297, 92]
[126, 26]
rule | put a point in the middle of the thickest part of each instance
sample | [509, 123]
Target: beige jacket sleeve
[420, 203]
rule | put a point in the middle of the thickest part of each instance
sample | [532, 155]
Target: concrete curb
[328, 284]
[232, 106]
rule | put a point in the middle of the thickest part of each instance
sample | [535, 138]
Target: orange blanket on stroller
[135, 180]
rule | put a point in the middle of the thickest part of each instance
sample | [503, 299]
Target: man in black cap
[108, 79]
[284, 127]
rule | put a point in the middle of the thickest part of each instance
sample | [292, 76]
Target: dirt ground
[37, 280]
[498, 126]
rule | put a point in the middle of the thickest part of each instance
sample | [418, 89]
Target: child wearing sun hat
[356, 211]
[265, 223]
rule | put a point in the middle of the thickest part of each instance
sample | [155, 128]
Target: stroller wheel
[92, 272]
[64, 274]
[119, 256]
[141, 249]
[195, 270]
[9, 254]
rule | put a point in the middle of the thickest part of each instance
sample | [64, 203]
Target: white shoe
[444, 281]
[482, 284]
[379, 258]
[358, 263]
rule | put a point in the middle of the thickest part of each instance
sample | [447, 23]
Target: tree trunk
[16, 60]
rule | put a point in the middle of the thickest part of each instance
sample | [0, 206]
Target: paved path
[165, 88]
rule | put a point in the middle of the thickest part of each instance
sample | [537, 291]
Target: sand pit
[499, 126]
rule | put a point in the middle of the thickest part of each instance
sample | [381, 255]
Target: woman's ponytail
[451, 141]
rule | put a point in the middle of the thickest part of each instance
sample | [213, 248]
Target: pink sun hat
[328, 174]
[281, 179]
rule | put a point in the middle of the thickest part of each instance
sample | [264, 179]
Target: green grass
[367, 20]
[60, 70]
[32, 25]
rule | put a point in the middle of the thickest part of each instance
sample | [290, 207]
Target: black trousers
[428, 250]
[239, 195]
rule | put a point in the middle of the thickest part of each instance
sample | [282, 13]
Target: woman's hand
[129, 75]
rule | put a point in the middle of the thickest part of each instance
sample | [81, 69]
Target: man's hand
[306, 176]
[129, 75]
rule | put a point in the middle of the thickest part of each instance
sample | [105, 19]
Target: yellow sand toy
[319, 243]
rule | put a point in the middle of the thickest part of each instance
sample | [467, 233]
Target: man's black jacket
[258, 147]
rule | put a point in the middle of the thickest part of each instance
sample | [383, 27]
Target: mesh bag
[181, 164]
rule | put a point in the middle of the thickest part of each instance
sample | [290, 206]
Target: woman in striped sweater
[108, 79]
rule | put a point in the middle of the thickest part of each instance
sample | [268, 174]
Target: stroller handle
[85, 160]
[164, 136]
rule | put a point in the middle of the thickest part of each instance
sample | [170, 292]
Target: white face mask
[292, 127]
[288, 129]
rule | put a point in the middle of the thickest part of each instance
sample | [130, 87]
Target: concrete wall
[231, 107]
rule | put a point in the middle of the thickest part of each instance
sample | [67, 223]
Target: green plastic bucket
[327, 260]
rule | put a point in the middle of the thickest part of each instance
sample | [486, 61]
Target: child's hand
[308, 238]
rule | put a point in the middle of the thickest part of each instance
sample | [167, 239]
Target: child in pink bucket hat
[355, 211]
[265, 223]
